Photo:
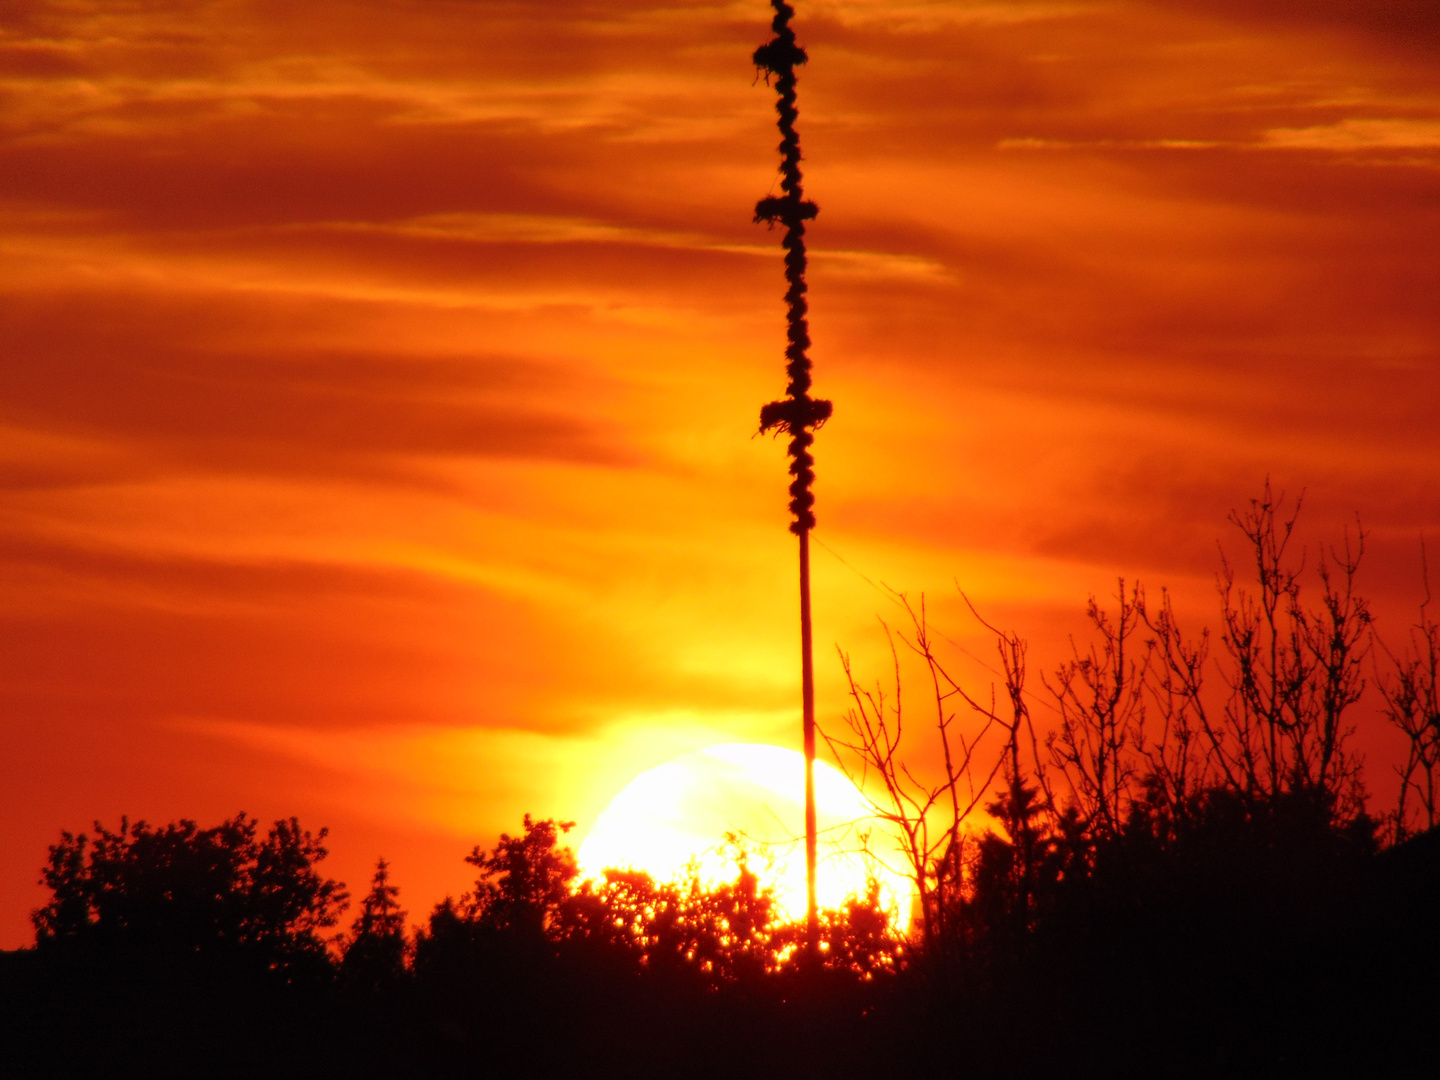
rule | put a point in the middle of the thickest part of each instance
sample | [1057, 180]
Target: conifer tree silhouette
[375, 954]
[797, 414]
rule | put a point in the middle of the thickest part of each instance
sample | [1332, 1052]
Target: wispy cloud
[1369, 134]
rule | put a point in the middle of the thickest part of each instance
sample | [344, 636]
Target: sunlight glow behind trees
[683, 811]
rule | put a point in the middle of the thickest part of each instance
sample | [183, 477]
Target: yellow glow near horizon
[682, 810]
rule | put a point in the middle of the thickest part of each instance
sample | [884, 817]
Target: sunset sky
[377, 379]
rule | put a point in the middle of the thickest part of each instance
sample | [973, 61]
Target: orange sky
[377, 378]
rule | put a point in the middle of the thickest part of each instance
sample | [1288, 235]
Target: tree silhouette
[681, 930]
[177, 951]
[524, 881]
[376, 952]
[182, 890]
[861, 938]
[1015, 872]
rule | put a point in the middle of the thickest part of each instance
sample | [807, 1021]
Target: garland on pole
[798, 413]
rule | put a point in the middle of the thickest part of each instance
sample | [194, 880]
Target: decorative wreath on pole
[797, 414]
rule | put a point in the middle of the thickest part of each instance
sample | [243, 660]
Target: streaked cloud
[1360, 135]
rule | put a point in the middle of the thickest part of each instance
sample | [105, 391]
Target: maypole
[797, 414]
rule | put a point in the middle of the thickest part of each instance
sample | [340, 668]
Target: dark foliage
[175, 951]
[218, 895]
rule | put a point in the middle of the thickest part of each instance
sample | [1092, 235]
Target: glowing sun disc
[681, 810]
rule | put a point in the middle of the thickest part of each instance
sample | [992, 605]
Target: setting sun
[682, 811]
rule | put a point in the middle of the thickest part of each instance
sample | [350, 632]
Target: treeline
[1179, 875]
[188, 951]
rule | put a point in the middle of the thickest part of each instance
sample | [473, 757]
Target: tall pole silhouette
[797, 414]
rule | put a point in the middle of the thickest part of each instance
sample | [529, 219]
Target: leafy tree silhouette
[182, 890]
[861, 939]
[524, 881]
[177, 950]
[681, 929]
[486, 965]
[729, 934]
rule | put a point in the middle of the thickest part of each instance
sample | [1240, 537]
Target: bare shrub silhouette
[1100, 695]
[928, 817]
[1293, 670]
[1411, 692]
[1179, 764]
